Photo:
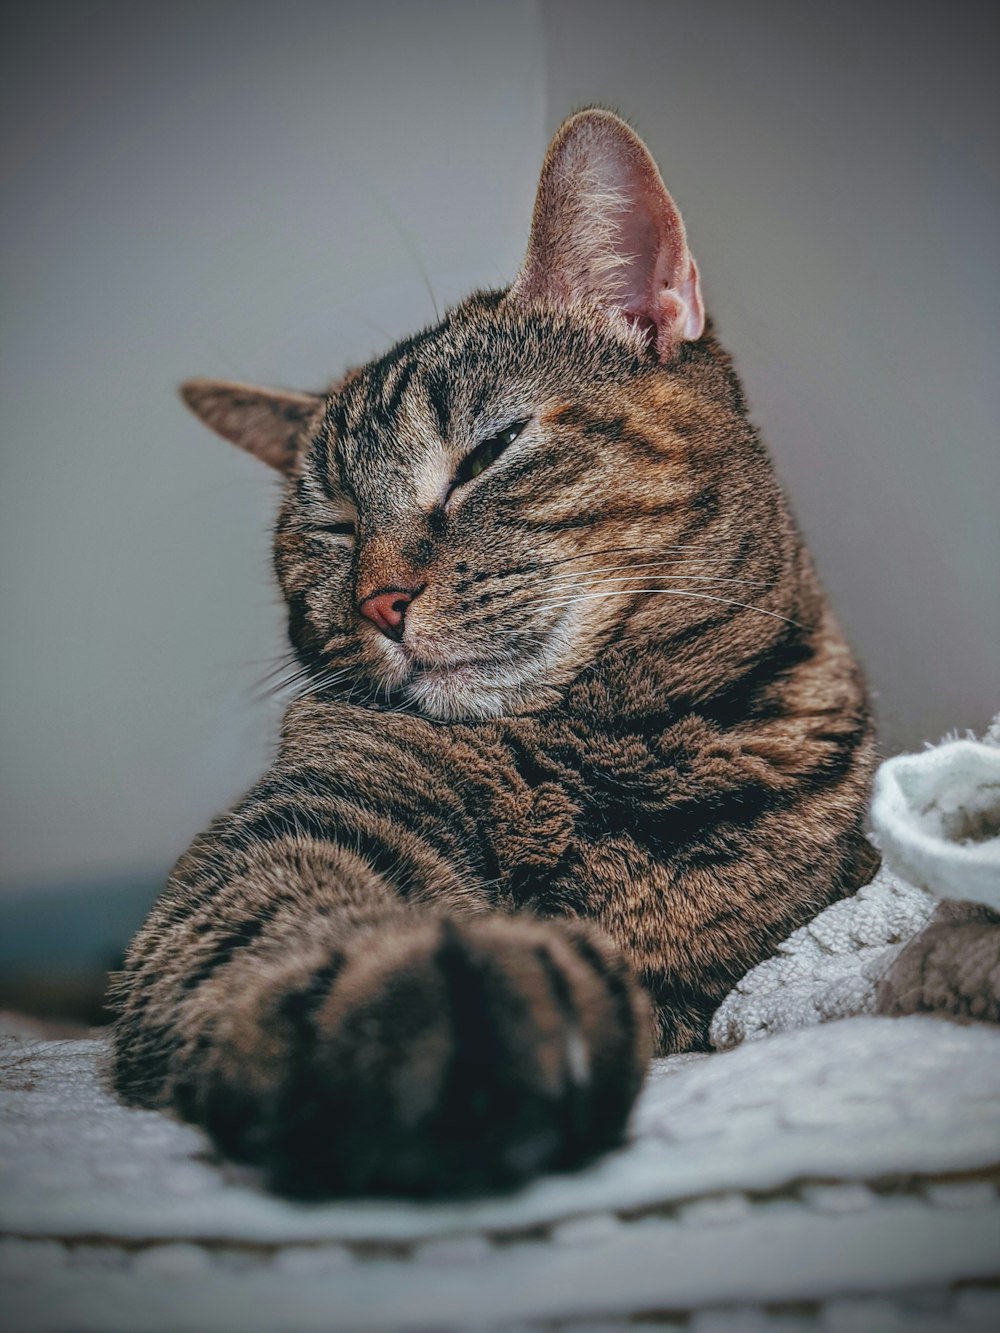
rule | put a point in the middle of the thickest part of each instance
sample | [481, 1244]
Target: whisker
[656, 564]
[667, 592]
[325, 680]
[686, 578]
[270, 688]
[390, 216]
[538, 566]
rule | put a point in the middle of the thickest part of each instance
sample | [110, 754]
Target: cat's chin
[463, 691]
[472, 691]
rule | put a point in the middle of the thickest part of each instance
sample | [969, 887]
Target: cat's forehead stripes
[398, 429]
[390, 446]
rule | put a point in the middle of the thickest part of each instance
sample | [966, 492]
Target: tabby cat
[580, 741]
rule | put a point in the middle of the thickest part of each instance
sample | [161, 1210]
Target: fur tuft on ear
[265, 422]
[606, 233]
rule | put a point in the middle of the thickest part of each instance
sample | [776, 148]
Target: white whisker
[657, 564]
[667, 592]
[697, 578]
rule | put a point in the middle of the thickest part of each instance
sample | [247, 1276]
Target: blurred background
[274, 192]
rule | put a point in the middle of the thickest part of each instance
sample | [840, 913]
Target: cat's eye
[336, 529]
[486, 453]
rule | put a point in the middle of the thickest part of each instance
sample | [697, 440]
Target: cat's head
[470, 520]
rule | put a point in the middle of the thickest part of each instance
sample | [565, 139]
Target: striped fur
[621, 752]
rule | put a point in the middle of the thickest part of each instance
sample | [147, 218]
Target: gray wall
[250, 190]
[233, 189]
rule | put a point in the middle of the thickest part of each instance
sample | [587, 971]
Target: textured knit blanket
[938, 817]
[937, 821]
[840, 1178]
[829, 968]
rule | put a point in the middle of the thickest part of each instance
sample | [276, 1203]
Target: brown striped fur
[621, 751]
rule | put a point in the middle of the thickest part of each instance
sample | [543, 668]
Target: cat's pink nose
[387, 610]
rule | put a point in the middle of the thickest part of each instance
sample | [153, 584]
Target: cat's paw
[464, 1056]
[951, 968]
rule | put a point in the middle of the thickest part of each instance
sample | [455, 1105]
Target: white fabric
[937, 815]
[818, 1167]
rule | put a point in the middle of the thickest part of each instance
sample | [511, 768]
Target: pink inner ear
[639, 245]
[605, 231]
[645, 324]
[659, 287]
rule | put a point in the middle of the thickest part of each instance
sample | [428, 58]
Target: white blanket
[829, 968]
[848, 1168]
[937, 815]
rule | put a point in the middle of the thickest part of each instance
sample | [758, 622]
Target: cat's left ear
[605, 232]
[266, 422]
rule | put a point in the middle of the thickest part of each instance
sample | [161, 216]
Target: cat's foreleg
[346, 1041]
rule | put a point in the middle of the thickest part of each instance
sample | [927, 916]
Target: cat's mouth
[474, 687]
[452, 678]
[423, 670]
[425, 666]
[421, 656]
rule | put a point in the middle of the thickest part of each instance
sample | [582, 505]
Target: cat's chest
[568, 802]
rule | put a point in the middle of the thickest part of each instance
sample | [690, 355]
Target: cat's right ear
[265, 422]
